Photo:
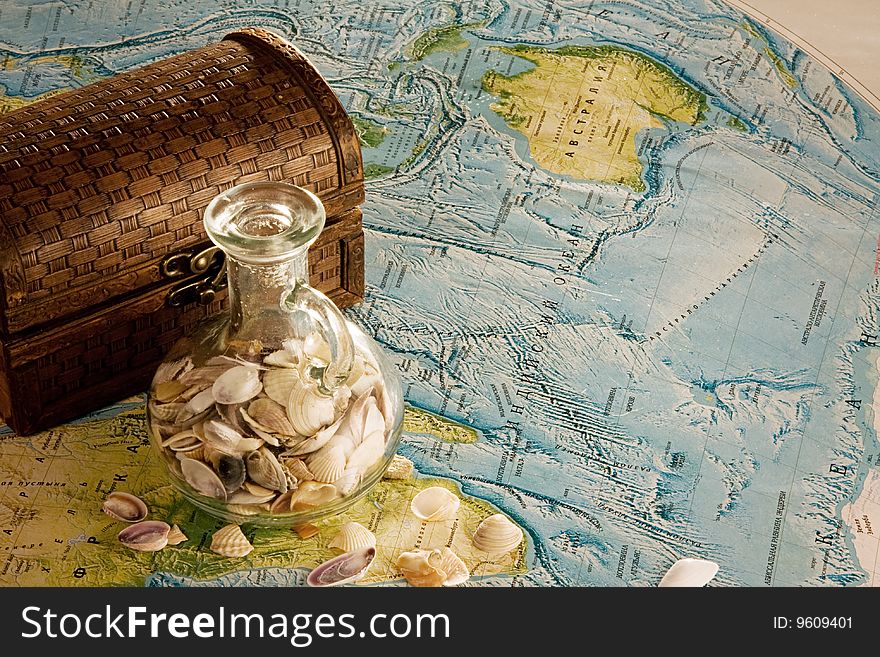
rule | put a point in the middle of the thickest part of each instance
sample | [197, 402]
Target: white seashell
[200, 402]
[341, 399]
[328, 466]
[344, 569]
[374, 422]
[357, 370]
[230, 541]
[125, 507]
[183, 441]
[172, 370]
[176, 536]
[689, 572]
[434, 504]
[455, 570]
[244, 509]
[271, 416]
[348, 481]
[278, 384]
[282, 358]
[264, 469]
[497, 535]
[422, 567]
[256, 489]
[367, 453]
[309, 445]
[237, 385]
[146, 536]
[399, 468]
[222, 436]
[309, 411]
[368, 381]
[202, 478]
[353, 536]
[311, 494]
[356, 415]
[168, 391]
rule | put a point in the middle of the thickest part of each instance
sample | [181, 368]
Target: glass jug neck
[256, 294]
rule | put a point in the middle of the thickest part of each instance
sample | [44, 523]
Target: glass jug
[281, 411]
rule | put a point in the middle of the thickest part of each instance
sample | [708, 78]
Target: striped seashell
[176, 536]
[271, 415]
[279, 383]
[497, 535]
[298, 469]
[183, 441]
[264, 469]
[309, 411]
[328, 466]
[204, 375]
[455, 570]
[168, 413]
[230, 541]
[353, 536]
[173, 369]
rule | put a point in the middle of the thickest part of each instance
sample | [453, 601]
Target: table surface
[631, 291]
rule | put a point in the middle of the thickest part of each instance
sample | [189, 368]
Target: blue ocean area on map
[681, 370]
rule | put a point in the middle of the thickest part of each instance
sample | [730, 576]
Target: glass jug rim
[264, 222]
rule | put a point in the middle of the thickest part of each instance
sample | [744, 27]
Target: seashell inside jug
[257, 412]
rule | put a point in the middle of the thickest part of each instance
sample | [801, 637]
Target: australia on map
[624, 256]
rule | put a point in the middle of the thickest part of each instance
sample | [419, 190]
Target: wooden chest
[102, 249]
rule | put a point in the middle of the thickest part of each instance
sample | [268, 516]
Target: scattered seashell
[307, 530]
[264, 469]
[422, 567]
[271, 416]
[230, 541]
[353, 536]
[176, 536]
[278, 384]
[455, 569]
[328, 466]
[146, 536]
[399, 468]
[434, 504]
[309, 411]
[236, 385]
[168, 391]
[497, 535]
[690, 572]
[202, 478]
[311, 494]
[125, 507]
[344, 569]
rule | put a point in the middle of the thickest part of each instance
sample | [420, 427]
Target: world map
[624, 255]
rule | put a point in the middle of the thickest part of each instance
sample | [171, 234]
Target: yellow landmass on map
[75, 63]
[52, 531]
[582, 107]
[416, 420]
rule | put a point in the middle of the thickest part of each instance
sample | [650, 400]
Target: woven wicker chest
[104, 262]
